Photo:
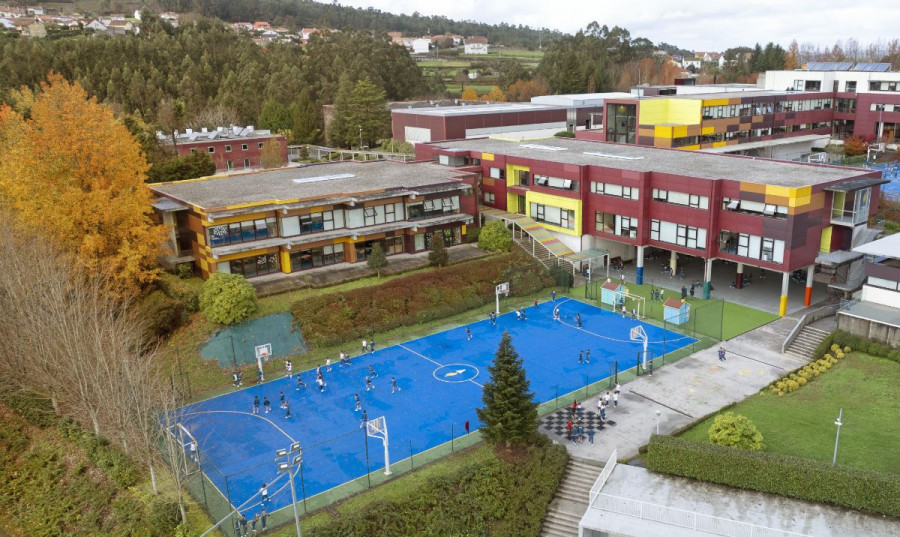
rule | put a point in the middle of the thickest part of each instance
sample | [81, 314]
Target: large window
[752, 246]
[498, 173]
[548, 214]
[754, 207]
[619, 191]
[317, 257]
[681, 198]
[250, 267]
[311, 223]
[555, 182]
[687, 236]
[489, 197]
[621, 123]
[432, 208]
[238, 232]
[450, 236]
[623, 226]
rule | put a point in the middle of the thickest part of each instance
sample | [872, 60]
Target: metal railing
[684, 519]
[604, 475]
[815, 315]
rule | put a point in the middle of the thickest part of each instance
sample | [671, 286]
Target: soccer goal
[377, 428]
[631, 302]
[183, 438]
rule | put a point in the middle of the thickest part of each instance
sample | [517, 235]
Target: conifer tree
[509, 415]
[377, 260]
[437, 256]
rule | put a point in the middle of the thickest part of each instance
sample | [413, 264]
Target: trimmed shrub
[495, 237]
[733, 430]
[186, 291]
[472, 234]
[804, 479]
[333, 318]
[228, 299]
[437, 255]
[564, 134]
[562, 277]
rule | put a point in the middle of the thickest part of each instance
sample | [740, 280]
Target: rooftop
[735, 94]
[648, 159]
[496, 108]
[220, 133]
[314, 182]
[580, 99]
[887, 247]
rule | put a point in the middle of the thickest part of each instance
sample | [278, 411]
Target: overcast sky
[710, 25]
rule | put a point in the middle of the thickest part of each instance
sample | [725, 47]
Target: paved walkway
[346, 272]
[688, 390]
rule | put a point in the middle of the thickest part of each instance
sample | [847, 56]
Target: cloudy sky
[692, 25]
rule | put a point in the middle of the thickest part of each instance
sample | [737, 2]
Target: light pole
[360, 137]
[295, 458]
[837, 436]
[657, 420]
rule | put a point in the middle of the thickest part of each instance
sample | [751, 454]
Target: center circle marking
[455, 373]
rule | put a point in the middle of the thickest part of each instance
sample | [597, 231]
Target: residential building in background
[276, 222]
[475, 45]
[231, 148]
[621, 201]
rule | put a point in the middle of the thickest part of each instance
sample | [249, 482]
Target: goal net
[633, 303]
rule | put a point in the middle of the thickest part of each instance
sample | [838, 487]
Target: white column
[785, 282]
[673, 262]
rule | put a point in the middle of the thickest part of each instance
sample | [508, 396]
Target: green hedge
[794, 477]
[186, 291]
[502, 498]
[861, 344]
[334, 318]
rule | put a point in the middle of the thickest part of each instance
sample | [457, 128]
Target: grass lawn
[801, 423]
[480, 88]
[444, 63]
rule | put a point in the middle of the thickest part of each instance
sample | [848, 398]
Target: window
[604, 222]
[193, 150]
[619, 191]
[369, 214]
[432, 208]
[654, 230]
[555, 216]
[312, 223]
[497, 173]
[755, 207]
[450, 236]
[211, 149]
[393, 245]
[255, 265]
[851, 86]
[259, 145]
[238, 232]
[230, 165]
[555, 182]
[752, 246]
[687, 236]
[228, 149]
[243, 147]
[523, 177]
[317, 257]
[680, 198]
[489, 197]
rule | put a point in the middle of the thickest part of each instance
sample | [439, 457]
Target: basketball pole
[497, 296]
[387, 456]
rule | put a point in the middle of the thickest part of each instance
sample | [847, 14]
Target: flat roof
[885, 247]
[475, 109]
[580, 99]
[649, 159]
[767, 143]
[871, 311]
[733, 94]
[317, 181]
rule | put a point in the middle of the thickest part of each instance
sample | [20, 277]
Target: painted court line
[272, 423]
[622, 340]
[432, 361]
[661, 404]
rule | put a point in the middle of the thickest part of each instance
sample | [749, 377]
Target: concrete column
[707, 278]
[739, 278]
[169, 222]
[785, 281]
[673, 262]
[807, 298]
[639, 271]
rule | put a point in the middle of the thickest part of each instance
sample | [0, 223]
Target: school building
[277, 222]
[621, 201]
[231, 148]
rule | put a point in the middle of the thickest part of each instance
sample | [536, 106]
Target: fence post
[368, 477]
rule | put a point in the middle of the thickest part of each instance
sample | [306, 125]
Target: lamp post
[657, 420]
[837, 436]
[360, 137]
[294, 457]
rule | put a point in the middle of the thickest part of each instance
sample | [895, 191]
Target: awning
[856, 184]
[887, 247]
[167, 205]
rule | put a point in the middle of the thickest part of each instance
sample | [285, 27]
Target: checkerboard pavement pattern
[556, 422]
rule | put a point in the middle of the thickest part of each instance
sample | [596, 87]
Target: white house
[96, 25]
[420, 46]
[476, 45]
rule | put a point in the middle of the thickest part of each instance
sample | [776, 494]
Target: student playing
[372, 372]
[328, 364]
[264, 493]
[394, 385]
[281, 399]
[578, 320]
[300, 383]
[363, 419]
[587, 356]
[580, 357]
[365, 346]
[287, 410]
[194, 451]
[256, 404]
[369, 385]
[290, 368]
[556, 314]
[266, 404]
[358, 403]
[320, 382]
[468, 334]
[553, 295]
[372, 344]
[518, 314]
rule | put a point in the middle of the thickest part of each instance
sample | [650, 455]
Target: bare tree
[214, 116]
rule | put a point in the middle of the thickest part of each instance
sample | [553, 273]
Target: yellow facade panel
[708, 130]
[679, 131]
[715, 102]
[718, 144]
[487, 156]
[683, 111]
[753, 187]
[690, 147]
[825, 241]
[285, 261]
[512, 173]
[783, 191]
[654, 111]
[556, 201]
[799, 202]
[663, 131]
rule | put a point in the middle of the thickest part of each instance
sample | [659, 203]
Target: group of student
[575, 426]
[241, 524]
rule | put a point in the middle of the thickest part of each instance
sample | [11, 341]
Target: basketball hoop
[638, 334]
[263, 352]
[377, 428]
[503, 289]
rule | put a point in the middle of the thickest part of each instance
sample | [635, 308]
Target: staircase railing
[815, 315]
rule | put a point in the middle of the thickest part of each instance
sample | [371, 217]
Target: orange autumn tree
[469, 94]
[70, 170]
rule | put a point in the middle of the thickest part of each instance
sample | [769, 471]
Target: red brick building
[231, 148]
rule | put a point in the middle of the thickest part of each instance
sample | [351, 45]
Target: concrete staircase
[806, 342]
[571, 500]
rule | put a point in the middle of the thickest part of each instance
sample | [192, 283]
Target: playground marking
[272, 423]
[440, 365]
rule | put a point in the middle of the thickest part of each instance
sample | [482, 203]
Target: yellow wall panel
[285, 261]
[556, 201]
[799, 202]
[512, 173]
[753, 187]
[715, 102]
[825, 241]
[679, 132]
[487, 156]
[663, 131]
[654, 111]
[708, 130]
[718, 144]
[783, 191]
[690, 147]
[683, 111]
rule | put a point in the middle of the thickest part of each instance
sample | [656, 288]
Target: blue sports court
[440, 379]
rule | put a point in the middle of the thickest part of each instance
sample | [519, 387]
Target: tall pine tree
[509, 415]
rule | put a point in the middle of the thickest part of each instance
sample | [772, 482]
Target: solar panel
[829, 66]
[872, 67]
